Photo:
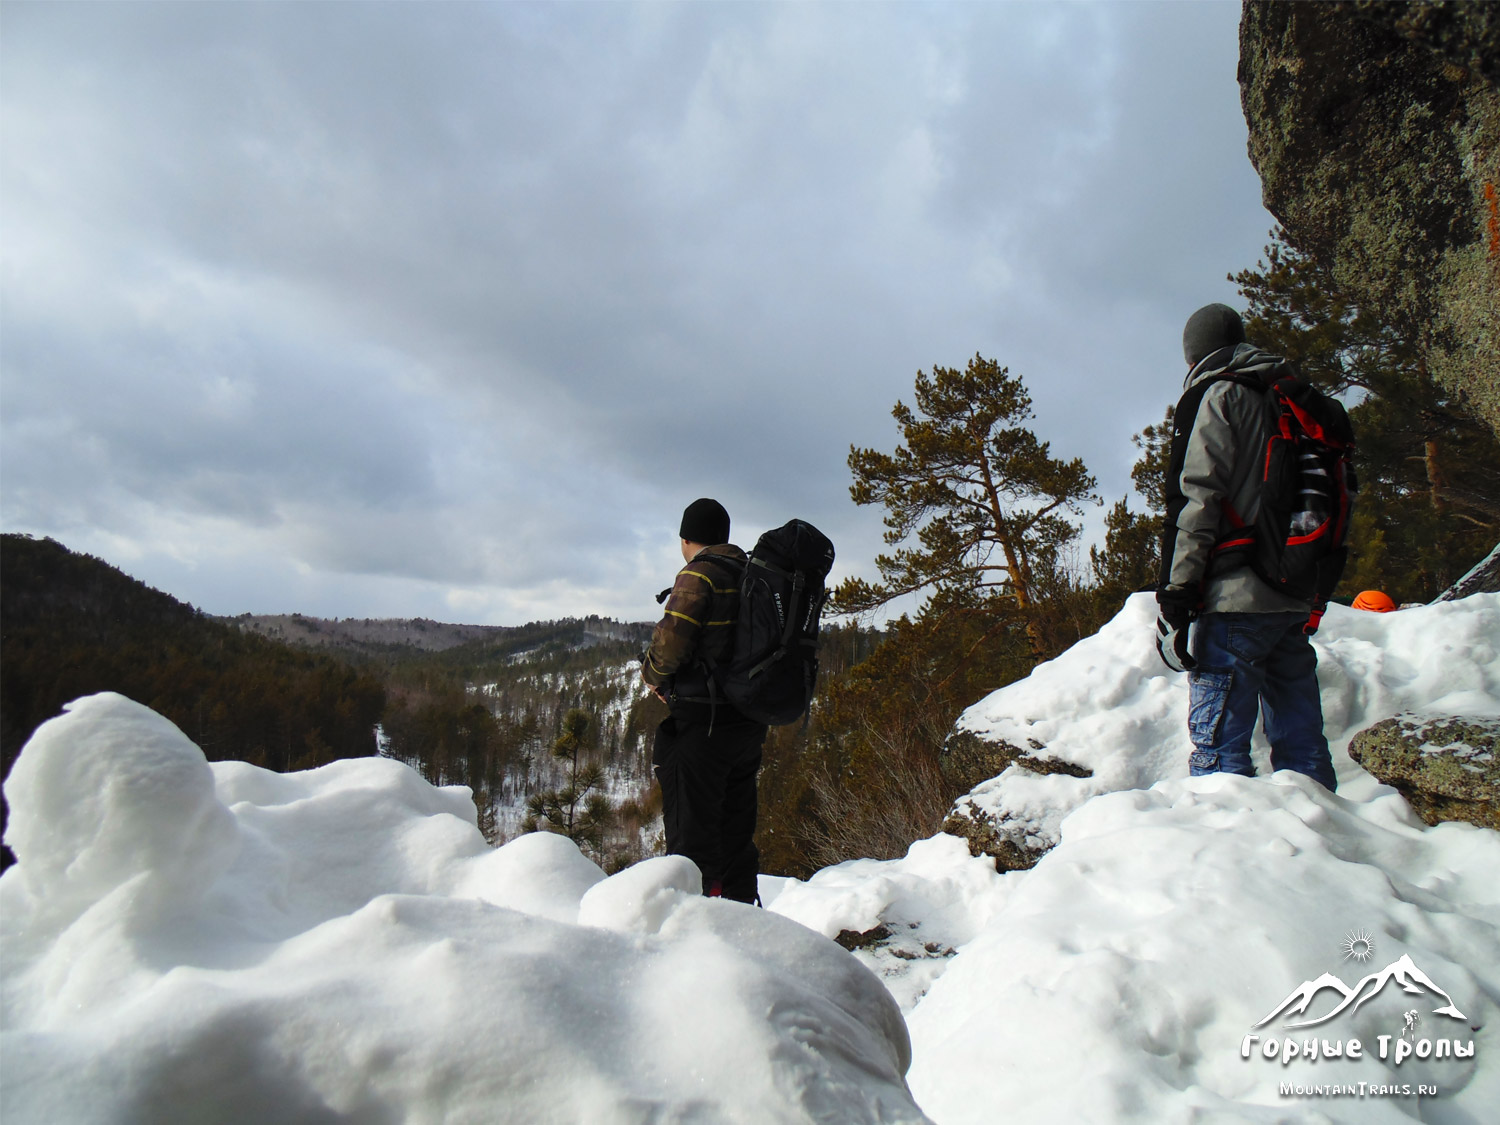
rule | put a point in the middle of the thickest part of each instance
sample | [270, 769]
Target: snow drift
[186, 941]
[1118, 978]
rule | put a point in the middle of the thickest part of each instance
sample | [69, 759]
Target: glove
[1177, 613]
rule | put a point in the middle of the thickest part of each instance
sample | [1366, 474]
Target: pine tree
[576, 810]
[983, 498]
[977, 507]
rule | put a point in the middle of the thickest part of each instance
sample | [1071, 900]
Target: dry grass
[878, 818]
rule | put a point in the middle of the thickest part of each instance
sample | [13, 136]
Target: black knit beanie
[1210, 328]
[705, 521]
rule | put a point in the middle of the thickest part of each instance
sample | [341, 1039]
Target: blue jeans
[1249, 662]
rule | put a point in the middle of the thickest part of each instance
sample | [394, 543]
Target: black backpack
[1297, 543]
[773, 667]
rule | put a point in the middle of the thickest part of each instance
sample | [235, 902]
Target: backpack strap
[735, 568]
[1184, 419]
[772, 567]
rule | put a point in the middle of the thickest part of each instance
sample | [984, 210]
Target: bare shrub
[880, 816]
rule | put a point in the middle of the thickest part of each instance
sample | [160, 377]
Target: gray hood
[1242, 359]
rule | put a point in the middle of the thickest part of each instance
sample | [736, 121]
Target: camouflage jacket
[697, 625]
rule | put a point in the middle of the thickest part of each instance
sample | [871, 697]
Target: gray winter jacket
[1220, 481]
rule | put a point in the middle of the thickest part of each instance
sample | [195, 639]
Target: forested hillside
[490, 712]
[72, 625]
[554, 716]
[373, 636]
[483, 713]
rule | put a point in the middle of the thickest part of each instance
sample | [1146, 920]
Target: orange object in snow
[1374, 601]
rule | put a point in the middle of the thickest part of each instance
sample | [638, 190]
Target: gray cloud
[448, 309]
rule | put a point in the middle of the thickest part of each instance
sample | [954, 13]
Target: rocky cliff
[1375, 127]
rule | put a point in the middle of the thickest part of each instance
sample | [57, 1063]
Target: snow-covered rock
[914, 912]
[1110, 705]
[182, 941]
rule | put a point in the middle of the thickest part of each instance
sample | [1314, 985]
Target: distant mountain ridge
[363, 633]
[289, 691]
[377, 636]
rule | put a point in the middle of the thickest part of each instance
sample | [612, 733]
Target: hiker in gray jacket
[1250, 650]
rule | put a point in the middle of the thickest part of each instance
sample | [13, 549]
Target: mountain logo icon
[1403, 972]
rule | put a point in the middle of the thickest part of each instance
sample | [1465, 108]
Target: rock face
[1010, 843]
[1375, 127]
[968, 760]
[1446, 768]
[1483, 579]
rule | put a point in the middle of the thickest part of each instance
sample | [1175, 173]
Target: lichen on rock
[1011, 843]
[968, 759]
[1375, 128]
[1447, 768]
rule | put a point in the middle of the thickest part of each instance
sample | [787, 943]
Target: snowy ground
[186, 941]
[1117, 979]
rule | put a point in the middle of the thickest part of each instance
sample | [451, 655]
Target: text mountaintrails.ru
[1357, 1090]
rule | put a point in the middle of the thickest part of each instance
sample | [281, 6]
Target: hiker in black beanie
[1245, 642]
[1209, 329]
[704, 522]
[707, 755]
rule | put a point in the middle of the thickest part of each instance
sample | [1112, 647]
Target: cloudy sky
[447, 309]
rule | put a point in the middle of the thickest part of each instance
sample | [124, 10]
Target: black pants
[708, 795]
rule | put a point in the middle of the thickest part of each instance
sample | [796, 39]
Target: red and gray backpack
[1296, 543]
